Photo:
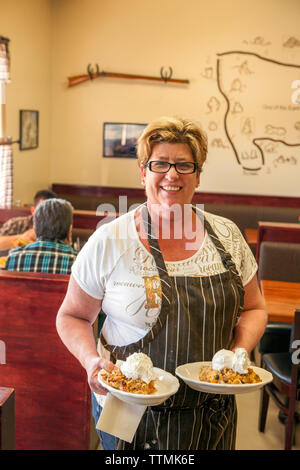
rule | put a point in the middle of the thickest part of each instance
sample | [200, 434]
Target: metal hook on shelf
[166, 75]
[91, 73]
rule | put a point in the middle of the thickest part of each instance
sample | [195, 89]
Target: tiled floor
[248, 436]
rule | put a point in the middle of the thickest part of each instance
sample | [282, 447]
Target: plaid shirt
[42, 256]
[16, 225]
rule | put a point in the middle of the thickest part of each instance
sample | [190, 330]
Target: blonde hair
[172, 130]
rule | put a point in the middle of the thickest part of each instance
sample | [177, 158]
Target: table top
[251, 236]
[282, 299]
[5, 393]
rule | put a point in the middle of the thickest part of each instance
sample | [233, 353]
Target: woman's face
[170, 188]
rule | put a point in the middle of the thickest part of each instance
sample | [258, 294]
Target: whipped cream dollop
[238, 360]
[241, 362]
[138, 366]
[222, 358]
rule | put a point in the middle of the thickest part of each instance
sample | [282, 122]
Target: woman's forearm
[74, 324]
[77, 335]
[249, 329]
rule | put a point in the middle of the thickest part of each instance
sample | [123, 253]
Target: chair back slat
[279, 261]
[276, 232]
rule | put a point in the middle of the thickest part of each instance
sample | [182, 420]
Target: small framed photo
[119, 139]
[29, 129]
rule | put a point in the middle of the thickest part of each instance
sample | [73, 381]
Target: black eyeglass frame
[149, 165]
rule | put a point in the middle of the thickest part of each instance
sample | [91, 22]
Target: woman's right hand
[93, 367]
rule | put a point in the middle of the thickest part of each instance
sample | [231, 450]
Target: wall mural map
[261, 120]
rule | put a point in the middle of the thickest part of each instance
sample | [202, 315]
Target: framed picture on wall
[29, 129]
[119, 139]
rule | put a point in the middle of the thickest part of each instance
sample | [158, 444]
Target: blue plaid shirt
[42, 256]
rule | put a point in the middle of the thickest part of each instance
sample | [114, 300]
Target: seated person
[21, 227]
[51, 252]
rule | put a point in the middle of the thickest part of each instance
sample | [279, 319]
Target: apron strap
[227, 261]
[167, 285]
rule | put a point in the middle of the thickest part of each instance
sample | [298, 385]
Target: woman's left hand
[92, 368]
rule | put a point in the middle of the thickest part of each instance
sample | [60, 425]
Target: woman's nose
[172, 173]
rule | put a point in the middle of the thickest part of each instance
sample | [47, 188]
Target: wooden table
[7, 418]
[282, 299]
[251, 236]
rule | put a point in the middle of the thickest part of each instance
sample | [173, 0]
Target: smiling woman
[170, 176]
[171, 153]
[191, 290]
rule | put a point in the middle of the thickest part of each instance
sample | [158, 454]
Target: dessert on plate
[135, 375]
[228, 367]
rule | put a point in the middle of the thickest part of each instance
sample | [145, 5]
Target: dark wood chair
[285, 367]
[278, 261]
[52, 397]
[276, 232]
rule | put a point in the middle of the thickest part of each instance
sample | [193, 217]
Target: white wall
[139, 37]
[54, 39]
[28, 25]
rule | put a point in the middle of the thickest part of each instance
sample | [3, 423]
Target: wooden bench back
[277, 232]
[52, 397]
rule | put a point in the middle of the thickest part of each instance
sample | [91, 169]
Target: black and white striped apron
[197, 318]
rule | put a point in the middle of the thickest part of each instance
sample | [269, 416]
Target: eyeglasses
[183, 168]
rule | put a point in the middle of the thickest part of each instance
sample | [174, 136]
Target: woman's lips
[171, 188]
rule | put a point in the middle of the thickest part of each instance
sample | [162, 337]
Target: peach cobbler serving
[227, 376]
[135, 375]
[229, 367]
[118, 380]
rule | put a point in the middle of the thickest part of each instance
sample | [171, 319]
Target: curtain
[6, 176]
[6, 155]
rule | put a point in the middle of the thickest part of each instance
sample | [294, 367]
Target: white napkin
[119, 418]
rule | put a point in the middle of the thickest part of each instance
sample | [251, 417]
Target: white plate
[166, 385]
[189, 373]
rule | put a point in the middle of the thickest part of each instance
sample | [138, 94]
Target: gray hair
[52, 219]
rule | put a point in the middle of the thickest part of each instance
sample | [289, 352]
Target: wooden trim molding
[81, 218]
[94, 196]
[200, 197]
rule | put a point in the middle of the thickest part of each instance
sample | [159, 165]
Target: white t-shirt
[115, 266]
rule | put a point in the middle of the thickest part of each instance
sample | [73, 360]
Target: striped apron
[197, 318]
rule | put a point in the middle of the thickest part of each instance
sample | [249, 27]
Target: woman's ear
[143, 175]
[69, 237]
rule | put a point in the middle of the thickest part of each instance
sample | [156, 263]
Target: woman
[175, 283]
